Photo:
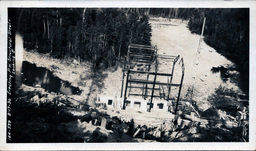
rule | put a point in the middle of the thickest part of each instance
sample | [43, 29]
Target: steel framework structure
[147, 56]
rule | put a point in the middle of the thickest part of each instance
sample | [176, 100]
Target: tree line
[98, 35]
[102, 35]
[226, 30]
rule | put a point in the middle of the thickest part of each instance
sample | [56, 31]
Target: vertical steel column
[173, 66]
[123, 79]
[126, 67]
[153, 89]
[125, 91]
[156, 68]
[146, 89]
[151, 99]
[170, 82]
[181, 82]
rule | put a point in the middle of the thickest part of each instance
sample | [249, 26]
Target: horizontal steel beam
[142, 47]
[151, 82]
[145, 95]
[141, 55]
[135, 51]
[141, 61]
[159, 55]
[141, 87]
[151, 73]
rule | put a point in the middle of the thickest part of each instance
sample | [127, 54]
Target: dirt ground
[172, 38]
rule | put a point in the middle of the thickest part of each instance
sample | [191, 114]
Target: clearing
[172, 38]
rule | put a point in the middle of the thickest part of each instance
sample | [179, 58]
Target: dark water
[42, 77]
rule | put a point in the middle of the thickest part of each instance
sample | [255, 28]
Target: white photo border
[251, 145]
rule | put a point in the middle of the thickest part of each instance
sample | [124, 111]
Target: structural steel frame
[147, 55]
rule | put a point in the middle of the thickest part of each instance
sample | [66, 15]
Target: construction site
[143, 86]
[149, 97]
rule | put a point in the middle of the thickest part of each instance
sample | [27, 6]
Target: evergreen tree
[97, 35]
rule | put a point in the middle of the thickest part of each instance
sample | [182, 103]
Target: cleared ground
[172, 38]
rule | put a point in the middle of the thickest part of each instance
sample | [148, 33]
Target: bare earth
[172, 38]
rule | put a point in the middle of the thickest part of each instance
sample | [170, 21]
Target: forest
[226, 30]
[102, 35]
[85, 48]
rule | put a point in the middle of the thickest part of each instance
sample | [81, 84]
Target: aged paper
[9, 56]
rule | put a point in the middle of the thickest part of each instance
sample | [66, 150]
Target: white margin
[251, 145]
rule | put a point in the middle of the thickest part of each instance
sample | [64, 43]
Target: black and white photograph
[128, 74]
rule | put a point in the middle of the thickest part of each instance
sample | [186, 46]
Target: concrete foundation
[135, 103]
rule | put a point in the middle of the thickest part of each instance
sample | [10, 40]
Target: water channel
[32, 75]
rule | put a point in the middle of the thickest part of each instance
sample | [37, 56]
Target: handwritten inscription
[10, 79]
[9, 103]
[9, 83]
[9, 127]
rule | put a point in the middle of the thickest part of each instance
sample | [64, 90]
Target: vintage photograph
[129, 74]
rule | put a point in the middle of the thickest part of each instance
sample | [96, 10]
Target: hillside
[172, 38]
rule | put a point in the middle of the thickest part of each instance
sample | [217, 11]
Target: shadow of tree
[96, 85]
